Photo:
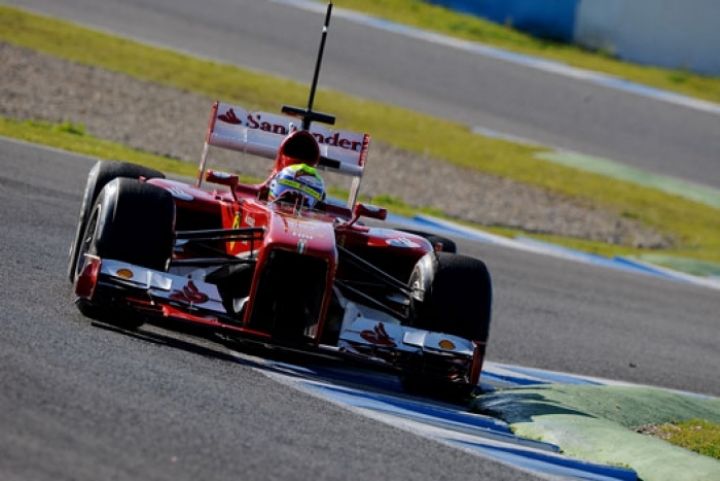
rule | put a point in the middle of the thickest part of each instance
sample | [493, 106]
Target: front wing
[365, 334]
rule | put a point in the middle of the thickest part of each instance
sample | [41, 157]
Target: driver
[297, 184]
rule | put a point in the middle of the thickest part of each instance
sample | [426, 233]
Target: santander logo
[229, 117]
[254, 120]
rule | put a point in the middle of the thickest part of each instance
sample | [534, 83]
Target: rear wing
[261, 133]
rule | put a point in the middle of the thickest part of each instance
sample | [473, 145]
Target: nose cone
[303, 236]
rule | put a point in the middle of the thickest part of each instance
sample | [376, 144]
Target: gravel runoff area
[172, 122]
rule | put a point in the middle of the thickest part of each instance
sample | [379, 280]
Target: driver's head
[298, 184]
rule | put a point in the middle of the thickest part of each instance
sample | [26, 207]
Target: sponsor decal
[235, 225]
[403, 242]
[125, 273]
[255, 121]
[304, 236]
[335, 140]
[189, 294]
[229, 117]
[302, 230]
[378, 336]
[447, 344]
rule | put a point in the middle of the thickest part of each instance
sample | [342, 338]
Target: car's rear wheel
[100, 174]
[133, 222]
[452, 294]
[445, 244]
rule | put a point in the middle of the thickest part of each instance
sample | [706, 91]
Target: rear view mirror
[369, 211]
[222, 178]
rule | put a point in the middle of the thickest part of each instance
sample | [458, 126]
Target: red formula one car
[279, 262]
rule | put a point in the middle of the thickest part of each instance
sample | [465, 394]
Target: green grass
[585, 245]
[691, 266]
[603, 424]
[421, 14]
[695, 227]
[72, 137]
[697, 435]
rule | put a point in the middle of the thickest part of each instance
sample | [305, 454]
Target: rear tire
[133, 222]
[446, 245]
[100, 174]
[453, 295]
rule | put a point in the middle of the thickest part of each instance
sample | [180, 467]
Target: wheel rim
[86, 240]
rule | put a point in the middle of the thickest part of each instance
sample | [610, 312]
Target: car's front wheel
[133, 222]
[452, 294]
[100, 174]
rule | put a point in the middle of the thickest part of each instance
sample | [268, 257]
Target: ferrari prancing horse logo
[378, 336]
[189, 294]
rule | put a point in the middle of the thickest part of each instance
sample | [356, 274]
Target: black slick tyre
[456, 296]
[100, 174]
[133, 222]
[452, 295]
[446, 245]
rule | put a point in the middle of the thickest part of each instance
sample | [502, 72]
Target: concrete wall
[670, 33]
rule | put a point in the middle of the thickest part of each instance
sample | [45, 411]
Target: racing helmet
[299, 147]
[297, 183]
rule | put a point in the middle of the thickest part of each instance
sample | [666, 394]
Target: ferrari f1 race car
[280, 262]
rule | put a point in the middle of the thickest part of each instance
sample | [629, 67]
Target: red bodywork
[311, 234]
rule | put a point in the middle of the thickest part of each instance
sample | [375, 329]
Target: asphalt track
[476, 90]
[80, 401]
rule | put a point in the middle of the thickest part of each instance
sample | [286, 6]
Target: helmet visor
[297, 183]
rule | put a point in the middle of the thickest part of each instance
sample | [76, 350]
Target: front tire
[100, 174]
[452, 294]
[133, 222]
